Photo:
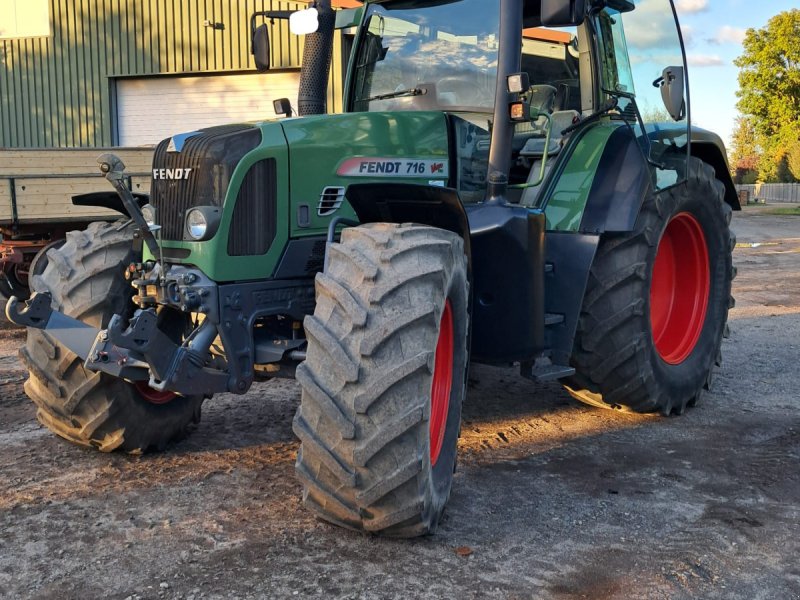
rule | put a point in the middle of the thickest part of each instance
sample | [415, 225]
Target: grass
[783, 210]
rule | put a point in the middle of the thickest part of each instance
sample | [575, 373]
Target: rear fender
[708, 147]
[620, 186]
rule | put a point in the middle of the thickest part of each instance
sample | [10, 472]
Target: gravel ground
[552, 499]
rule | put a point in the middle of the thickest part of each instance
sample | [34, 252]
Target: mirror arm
[266, 14]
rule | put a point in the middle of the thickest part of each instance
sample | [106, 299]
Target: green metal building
[117, 72]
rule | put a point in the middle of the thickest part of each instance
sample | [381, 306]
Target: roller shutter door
[151, 109]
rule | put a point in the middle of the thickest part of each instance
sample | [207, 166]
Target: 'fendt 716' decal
[393, 167]
[171, 173]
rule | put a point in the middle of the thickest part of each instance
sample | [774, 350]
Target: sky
[713, 32]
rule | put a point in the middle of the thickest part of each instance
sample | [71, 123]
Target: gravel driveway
[552, 499]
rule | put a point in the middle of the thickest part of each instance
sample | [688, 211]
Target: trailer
[44, 193]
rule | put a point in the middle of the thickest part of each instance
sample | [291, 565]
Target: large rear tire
[85, 278]
[384, 379]
[657, 302]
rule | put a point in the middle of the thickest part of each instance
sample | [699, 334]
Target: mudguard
[410, 203]
[109, 199]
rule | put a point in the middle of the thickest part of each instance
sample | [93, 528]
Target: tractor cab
[445, 56]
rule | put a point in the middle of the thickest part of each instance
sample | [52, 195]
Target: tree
[769, 90]
[793, 159]
[745, 152]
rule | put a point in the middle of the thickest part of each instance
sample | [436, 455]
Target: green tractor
[507, 185]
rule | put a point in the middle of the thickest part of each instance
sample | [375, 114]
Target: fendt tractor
[512, 182]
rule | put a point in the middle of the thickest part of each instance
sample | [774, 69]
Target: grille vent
[253, 225]
[330, 200]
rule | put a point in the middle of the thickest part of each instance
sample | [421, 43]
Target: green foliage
[793, 159]
[745, 151]
[782, 210]
[747, 176]
[769, 97]
[657, 114]
[769, 79]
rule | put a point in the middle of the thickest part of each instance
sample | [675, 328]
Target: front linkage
[138, 350]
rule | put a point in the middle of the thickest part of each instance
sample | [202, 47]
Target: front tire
[384, 379]
[657, 301]
[85, 279]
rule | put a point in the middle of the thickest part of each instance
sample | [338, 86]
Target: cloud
[728, 35]
[691, 6]
[651, 26]
[704, 60]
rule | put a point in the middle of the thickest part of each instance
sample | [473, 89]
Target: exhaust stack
[317, 51]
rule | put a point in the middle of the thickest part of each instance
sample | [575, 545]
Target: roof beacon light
[303, 22]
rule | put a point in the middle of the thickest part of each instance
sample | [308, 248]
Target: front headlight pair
[201, 222]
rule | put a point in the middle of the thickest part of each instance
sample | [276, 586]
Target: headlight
[196, 224]
[149, 214]
[202, 223]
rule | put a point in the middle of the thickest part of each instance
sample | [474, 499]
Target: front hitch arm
[87, 342]
[113, 168]
[137, 350]
[77, 336]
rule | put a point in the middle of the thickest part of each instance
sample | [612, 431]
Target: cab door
[642, 62]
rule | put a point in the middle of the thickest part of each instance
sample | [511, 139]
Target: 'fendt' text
[171, 173]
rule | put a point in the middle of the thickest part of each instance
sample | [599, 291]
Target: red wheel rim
[680, 289]
[442, 382]
[153, 396]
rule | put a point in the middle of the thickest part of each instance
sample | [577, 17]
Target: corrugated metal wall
[59, 91]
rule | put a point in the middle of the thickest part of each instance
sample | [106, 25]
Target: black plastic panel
[571, 256]
[508, 283]
[302, 258]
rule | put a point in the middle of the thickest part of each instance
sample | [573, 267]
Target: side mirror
[671, 84]
[563, 13]
[261, 47]
[282, 106]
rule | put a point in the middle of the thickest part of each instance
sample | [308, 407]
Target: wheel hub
[442, 382]
[680, 288]
[153, 396]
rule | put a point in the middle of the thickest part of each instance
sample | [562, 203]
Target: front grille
[212, 154]
[255, 213]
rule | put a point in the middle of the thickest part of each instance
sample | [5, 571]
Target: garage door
[151, 109]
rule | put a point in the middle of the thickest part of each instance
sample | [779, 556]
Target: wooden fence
[769, 192]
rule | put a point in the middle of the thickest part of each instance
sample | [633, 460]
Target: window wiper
[395, 94]
[606, 108]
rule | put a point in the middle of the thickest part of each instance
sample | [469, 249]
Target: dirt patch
[552, 499]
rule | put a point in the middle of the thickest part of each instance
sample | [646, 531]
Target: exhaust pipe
[317, 52]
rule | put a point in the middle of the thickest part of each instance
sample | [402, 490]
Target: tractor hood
[276, 180]
[329, 152]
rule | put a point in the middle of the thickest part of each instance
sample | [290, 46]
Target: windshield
[418, 55]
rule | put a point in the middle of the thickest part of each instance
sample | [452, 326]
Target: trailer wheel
[657, 302]
[11, 284]
[384, 379]
[86, 280]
